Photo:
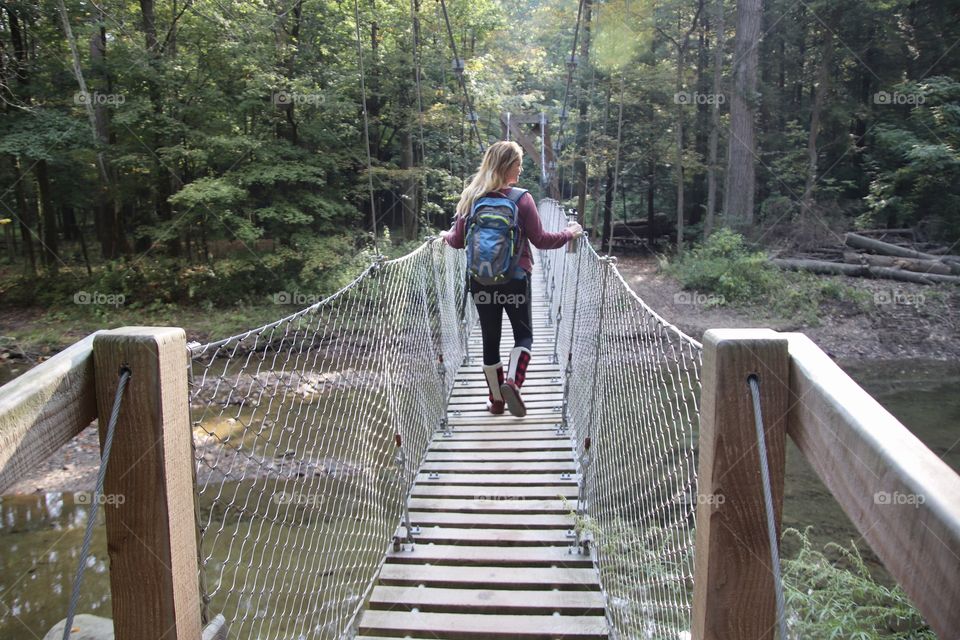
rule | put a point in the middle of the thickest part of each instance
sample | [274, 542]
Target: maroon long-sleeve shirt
[530, 227]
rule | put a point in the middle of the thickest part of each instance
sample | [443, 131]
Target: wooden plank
[479, 403]
[490, 504]
[557, 443]
[487, 577]
[491, 520]
[543, 492]
[45, 408]
[497, 479]
[499, 456]
[460, 391]
[503, 422]
[734, 597]
[488, 600]
[558, 466]
[502, 436]
[902, 497]
[491, 536]
[483, 627]
[468, 555]
[151, 540]
[539, 412]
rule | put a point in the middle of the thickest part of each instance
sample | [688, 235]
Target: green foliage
[732, 274]
[839, 598]
[724, 266]
[914, 163]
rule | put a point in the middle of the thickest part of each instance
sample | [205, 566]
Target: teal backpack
[493, 237]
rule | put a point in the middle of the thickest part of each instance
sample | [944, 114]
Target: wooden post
[733, 589]
[148, 491]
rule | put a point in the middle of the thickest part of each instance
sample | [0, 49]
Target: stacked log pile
[868, 257]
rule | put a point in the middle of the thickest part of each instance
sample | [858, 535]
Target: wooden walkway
[493, 559]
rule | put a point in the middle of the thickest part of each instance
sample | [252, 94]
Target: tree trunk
[162, 176]
[712, 166]
[580, 163]
[409, 202]
[651, 181]
[740, 185]
[607, 211]
[27, 223]
[48, 215]
[863, 271]
[823, 82]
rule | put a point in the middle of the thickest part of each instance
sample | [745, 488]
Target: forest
[217, 150]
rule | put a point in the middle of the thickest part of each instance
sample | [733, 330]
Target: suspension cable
[754, 384]
[415, 28]
[366, 128]
[125, 374]
[571, 65]
[459, 67]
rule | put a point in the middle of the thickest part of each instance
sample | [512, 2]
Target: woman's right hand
[575, 228]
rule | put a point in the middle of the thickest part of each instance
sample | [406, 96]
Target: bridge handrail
[901, 497]
[44, 408]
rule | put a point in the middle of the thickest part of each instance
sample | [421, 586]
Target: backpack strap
[516, 193]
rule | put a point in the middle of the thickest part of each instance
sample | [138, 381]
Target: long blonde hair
[491, 175]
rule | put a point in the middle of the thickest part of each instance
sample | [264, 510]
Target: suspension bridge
[334, 474]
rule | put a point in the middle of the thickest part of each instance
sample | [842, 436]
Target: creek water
[40, 535]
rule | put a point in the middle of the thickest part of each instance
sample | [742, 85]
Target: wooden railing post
[734, 596]
[148, 494]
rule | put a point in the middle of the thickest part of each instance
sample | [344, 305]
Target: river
[40, 535]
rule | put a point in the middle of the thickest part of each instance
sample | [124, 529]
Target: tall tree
[741, 180]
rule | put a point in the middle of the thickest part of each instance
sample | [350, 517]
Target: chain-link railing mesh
[633, 383]
[300, 484]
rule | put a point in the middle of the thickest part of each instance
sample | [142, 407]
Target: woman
[500, 169]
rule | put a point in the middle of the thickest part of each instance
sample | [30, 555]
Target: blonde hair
[491, 175]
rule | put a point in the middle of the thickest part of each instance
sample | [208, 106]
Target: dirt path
[903, 320]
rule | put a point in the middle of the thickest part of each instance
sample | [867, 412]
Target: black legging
[491, 301]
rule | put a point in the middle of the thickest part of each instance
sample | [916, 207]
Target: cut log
[885, 248]
[908, 264]
[863, 271]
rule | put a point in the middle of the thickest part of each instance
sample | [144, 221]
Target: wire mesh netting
[632, 386]
[300, 484]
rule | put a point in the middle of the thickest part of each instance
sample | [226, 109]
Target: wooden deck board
[488, 600]
[442, 554]
[543, 492]
[489, 577]
[491, 536]
[491, 504]
[494, 554]
[492, 520]
[498, 479]
[468, 626]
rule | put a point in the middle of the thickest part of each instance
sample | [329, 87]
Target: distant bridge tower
[523, 129]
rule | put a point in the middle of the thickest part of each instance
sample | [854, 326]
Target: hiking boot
[494, 376]
[516, 374]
